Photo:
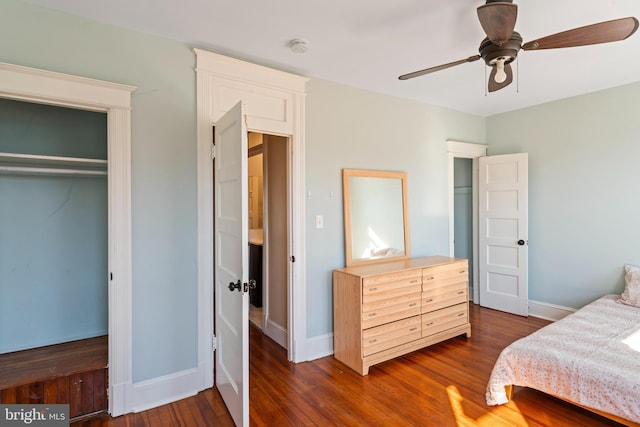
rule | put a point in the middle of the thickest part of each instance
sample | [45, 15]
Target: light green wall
[163, 163]
[583, 191]
[357, 129]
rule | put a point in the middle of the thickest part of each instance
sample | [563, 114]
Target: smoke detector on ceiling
[299, 45]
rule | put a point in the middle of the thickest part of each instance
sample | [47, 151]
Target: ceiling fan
[502, 44]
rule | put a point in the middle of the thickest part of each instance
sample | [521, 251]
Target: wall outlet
[319, 221]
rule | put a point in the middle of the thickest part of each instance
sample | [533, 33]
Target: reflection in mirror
[375, 215]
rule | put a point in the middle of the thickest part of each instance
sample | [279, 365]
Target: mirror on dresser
[375, 216]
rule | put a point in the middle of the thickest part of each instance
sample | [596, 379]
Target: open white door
[503, 229]
[231, 264]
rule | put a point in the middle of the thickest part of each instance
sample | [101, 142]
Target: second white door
[503, 233]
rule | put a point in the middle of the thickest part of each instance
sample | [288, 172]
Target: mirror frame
[346, 175]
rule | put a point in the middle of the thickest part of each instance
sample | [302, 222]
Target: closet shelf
[34, 164]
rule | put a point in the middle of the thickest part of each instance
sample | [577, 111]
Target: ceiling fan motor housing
[490, 51]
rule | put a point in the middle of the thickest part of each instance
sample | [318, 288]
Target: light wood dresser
[385, 310]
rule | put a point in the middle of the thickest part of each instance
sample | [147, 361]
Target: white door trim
[465, 150]
[46, 87]
[275, 105]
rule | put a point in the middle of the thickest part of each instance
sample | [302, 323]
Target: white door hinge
[213, 151]
[214, 343]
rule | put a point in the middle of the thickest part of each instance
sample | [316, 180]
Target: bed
[590, 358]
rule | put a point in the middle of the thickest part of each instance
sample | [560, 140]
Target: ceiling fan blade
[603, 32]
[493, 85]
[498, 19]
[438, 68]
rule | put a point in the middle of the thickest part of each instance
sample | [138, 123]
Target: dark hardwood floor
[442, 385]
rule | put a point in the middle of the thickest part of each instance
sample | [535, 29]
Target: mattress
[591, 357]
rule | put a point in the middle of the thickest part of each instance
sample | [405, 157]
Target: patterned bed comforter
[591, 357]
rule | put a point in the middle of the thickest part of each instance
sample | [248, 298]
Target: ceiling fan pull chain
[486, 91]
[518, 75]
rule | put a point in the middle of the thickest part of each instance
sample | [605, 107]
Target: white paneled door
[503, 232]
[231, 264]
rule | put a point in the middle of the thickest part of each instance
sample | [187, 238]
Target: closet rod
[49, 171]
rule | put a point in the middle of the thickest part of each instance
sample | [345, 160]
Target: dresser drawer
[390, 335]
[384, 286]
[444, 275]
[446, 318]
[390, 309]
[438, 297]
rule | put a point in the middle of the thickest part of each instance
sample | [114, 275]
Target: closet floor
[73, 373]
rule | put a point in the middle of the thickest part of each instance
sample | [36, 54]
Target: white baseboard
[548, 311]
[318, 347]
[118, 398]
[162, 390]
[276, 333]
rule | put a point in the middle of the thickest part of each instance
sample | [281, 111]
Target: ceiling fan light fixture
[500, 75]
[494, 84]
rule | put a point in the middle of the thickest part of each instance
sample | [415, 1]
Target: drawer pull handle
[430, 324]
[462, 271]
[372, 341]
[461, 292]
[373, 314]
[430, 300]
[413, 329]
[460, 314]
[413, 304]
[430, 278]
[414, 281]
[373, 289]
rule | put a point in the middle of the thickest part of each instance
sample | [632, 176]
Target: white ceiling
[369, 43]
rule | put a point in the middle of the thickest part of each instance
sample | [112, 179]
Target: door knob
[250, 285]
[521, 242]
[234, 286]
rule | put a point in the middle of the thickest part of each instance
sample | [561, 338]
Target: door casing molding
[275, 104]
[465, 150]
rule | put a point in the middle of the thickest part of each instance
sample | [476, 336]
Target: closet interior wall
[53, 225]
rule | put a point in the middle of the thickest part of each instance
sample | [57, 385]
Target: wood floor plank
[87, 392]
[23, 394]
[442, 385]
[8, 395]
[99, 390]
[50, 391]
[62, 384]
[75, 395]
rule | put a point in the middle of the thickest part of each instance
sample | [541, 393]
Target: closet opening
[54, 247]
[268, 234]
[463, 206]
[463, 214]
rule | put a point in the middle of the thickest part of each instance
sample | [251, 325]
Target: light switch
[319, 221]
